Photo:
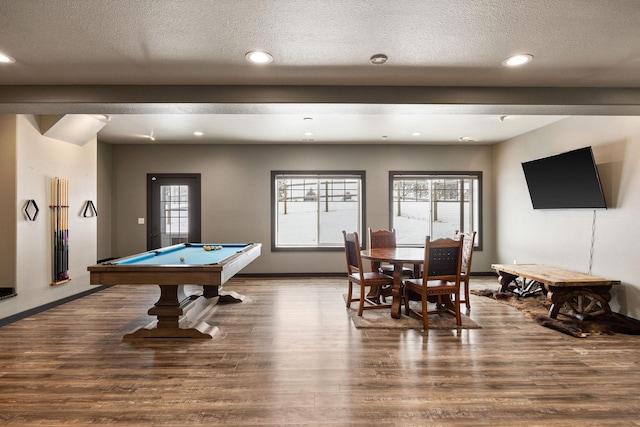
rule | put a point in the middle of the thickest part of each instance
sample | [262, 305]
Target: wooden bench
[571, 293]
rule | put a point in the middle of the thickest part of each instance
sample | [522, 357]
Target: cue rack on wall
[60, 226]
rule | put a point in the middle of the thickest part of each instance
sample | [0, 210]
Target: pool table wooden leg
[226, 297]
[179, 316]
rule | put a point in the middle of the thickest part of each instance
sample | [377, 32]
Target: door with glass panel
[173, 209]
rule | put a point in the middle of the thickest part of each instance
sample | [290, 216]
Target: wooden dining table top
[413, 255]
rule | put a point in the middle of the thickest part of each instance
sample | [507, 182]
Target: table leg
[179, 316]
[170, 306]
[417, 270]
[582, 302]
[396, 291]
[523, 287]
[448, 303]
[225, 296]
[505, 280]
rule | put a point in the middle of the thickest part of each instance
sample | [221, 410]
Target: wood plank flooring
[290, 356]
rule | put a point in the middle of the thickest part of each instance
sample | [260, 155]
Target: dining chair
[357, 275]
[385, 239]
[467, 255]
[440, 278]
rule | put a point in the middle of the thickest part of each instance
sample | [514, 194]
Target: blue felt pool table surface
[193, 254]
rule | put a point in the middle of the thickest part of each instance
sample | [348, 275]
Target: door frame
[195, 216]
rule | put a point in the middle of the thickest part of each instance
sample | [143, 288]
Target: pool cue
[63, 270]
[56, 208]
[63, 227]
[53, 227]
[62, 231]
[58, 228]
[66, 229]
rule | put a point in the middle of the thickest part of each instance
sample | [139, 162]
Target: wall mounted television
[565, 181]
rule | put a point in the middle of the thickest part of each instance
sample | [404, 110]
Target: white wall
[563, 237]
[236, 191]
[39, 159]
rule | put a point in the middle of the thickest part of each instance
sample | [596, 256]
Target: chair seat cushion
[433, 285]
[373, 278]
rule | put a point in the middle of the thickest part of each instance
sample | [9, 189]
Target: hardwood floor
[290, 356]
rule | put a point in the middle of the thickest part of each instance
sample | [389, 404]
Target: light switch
[141, 221]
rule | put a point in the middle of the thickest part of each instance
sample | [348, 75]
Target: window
[310, 209]
[174, 214]
[435, 204]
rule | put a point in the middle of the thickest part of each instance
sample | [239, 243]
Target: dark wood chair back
[440, 280]
[443, 260]
[356, 275]
[382, 238]
[385, 239]
[467, 250]
[352, 252]
[467, 256]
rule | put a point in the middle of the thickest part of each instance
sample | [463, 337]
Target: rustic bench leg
[582, 303]
[505, 279]
[509, 282]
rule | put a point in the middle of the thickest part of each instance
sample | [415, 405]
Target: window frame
[319, 173]
[444, 174]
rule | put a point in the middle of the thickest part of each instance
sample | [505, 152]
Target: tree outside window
[310, 209]
[435, 204]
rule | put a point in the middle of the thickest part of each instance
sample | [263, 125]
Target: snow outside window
[312, 209]
[434, 204]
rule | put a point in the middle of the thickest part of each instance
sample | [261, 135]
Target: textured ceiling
[447, 43]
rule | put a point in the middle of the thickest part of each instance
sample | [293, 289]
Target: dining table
[398, 256]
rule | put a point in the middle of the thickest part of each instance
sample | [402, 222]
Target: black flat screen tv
[565, 181]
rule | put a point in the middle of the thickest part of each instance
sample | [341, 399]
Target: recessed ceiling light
[517, 60]
[416, 134]
[379, 59]
[6, 59]
[198, 133]
[308, 133]
[259, 57]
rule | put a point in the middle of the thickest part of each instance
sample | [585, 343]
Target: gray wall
[563, 237]
[105, 203]
[10, 207]
[236, 191]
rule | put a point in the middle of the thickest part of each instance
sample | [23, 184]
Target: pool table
[179, 314]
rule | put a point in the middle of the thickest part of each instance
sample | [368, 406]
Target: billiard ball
[181, 259]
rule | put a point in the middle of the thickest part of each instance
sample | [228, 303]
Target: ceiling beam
[189, 99]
